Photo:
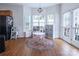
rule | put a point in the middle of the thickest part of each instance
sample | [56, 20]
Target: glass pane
[66, 24]
[35, 18]
[50, 23]
[35, 28]
[35, 24]
[66, 31]
[42, 20]
[50, 19]
[66, 19]
[76, 17]
[41, 24]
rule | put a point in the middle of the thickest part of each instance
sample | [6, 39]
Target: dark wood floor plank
[19, 48]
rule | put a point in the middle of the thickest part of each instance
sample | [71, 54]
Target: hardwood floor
[19, 48]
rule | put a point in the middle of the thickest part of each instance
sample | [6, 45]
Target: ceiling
[40, 5]
[33, 5]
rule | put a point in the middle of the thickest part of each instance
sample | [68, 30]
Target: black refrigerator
[6, 23]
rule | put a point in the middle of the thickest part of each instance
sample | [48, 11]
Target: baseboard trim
[20, 38]
[70, 43]
[57, 38]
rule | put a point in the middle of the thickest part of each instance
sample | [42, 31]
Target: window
[66, 19]
[50, 19]
[38, 22]
[42, 24]
[35, 18]
[35, 24]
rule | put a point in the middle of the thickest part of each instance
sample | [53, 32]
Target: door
[75, 28]
[67, 27]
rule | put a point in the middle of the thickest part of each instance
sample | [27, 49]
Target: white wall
[27, 19]
[17, 15]
[55, 10]
[69, 6]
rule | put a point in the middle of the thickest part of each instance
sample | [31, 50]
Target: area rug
[40, 44]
